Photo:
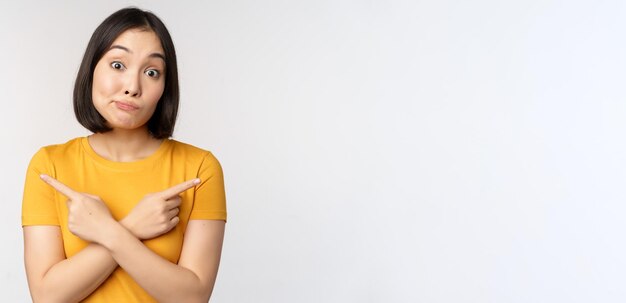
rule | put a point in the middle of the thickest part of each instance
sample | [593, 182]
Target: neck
[123, 145]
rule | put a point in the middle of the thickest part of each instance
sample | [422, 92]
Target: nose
[133, 87]
[132, 93]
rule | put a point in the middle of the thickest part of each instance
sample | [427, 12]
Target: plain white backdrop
[373, 151]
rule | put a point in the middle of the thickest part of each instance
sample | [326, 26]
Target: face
[129, 80]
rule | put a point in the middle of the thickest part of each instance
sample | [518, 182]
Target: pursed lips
[125, 105]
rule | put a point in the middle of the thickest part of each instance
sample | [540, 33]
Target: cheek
[104, 86]
[154, 93]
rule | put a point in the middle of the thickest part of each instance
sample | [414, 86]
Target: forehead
[139, 41]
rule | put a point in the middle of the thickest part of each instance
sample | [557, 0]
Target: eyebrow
[153, 55]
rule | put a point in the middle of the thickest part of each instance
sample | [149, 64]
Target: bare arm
[52, 277]
[191, 280]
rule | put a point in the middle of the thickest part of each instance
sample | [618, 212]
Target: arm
[51, 276]
[191, 280]
[54, 278]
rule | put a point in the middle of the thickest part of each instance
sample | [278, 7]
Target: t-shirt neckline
[134, 165]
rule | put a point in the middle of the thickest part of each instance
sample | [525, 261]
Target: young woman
[125, 214]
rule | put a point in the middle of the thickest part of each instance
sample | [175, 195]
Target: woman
[105, 216]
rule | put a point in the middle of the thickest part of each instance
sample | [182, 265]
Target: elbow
[42, 294]
[37, 293]
[189, 296]
[200, 295]
[206, 295]
[202, 291]
[41, 297]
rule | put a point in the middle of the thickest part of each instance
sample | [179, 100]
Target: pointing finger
[178, 189]
[62, 188]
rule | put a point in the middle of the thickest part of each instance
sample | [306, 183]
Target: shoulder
[46, 158]
[62, 148]
[51, 152]
[192, 153]
[186, 148]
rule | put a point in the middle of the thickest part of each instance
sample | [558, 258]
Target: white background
[373, 151]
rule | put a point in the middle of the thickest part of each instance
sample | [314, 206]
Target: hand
[157, 213]
[88, 216]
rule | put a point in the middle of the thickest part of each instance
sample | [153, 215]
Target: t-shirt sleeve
[38, 204]
[210, 198]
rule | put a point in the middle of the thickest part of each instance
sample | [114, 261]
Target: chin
[125, 126]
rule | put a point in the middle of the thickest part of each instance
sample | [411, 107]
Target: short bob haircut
[161, 124]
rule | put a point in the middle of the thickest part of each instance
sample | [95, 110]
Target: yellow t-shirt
[121, 185]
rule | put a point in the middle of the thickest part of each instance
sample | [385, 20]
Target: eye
[117, 65]
[153, 73]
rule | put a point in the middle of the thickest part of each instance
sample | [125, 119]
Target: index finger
[62, 188]
[178, 189]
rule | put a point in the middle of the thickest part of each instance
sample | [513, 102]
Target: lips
[126, 106]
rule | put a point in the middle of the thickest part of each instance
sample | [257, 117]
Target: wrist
[112, 234]
[128, 223]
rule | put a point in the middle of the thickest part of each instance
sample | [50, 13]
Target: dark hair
[161, 124]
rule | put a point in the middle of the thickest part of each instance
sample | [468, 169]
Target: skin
[127, 85]
[130, 73]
